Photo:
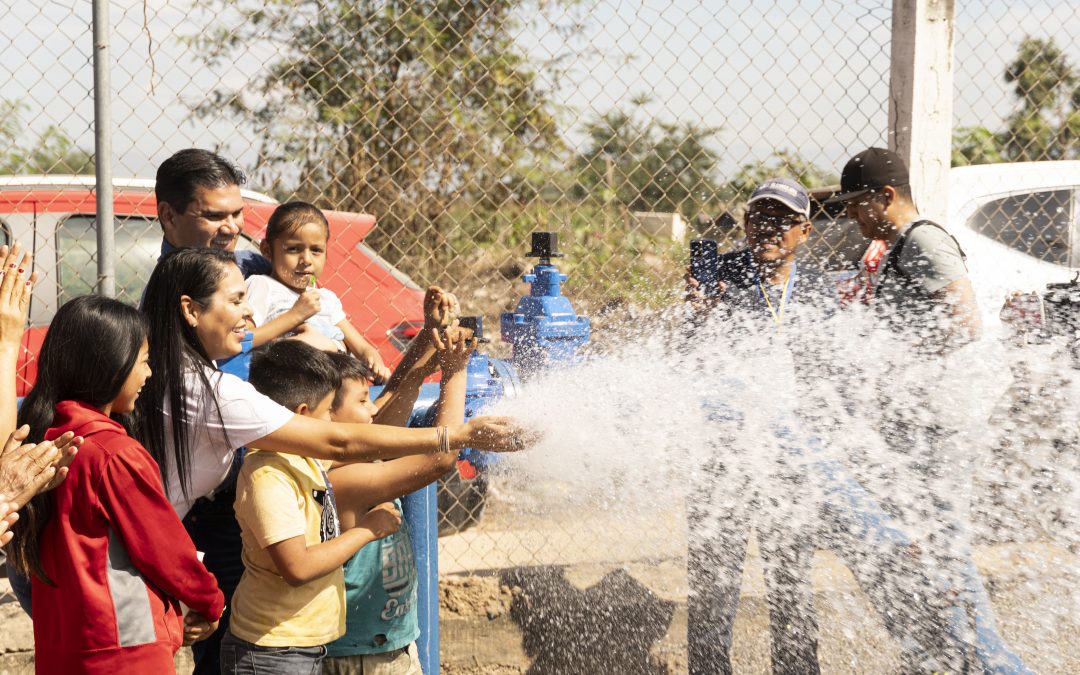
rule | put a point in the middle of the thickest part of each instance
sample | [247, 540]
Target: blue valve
[544, 330]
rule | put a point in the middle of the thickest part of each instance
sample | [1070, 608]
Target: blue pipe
[421, 511]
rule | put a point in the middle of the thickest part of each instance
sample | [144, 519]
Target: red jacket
[119, 557]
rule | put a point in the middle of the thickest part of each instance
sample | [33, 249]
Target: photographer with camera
[766, 298]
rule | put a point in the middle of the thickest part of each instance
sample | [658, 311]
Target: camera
[1061, 308]
[704, 265]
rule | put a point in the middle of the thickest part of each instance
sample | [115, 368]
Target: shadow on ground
[609, 627]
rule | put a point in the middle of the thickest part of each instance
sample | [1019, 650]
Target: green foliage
[647, 165]
[407, 110]
[782, 163]
[1041, 74]
[52, 151]
[1046, 122]
[1046, 125]
[976, 145]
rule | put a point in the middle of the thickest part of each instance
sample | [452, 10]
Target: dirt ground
[592, 617]
[530, 592]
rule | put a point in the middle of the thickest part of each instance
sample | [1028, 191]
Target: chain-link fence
[465, 125]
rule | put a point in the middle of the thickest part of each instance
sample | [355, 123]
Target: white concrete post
[921, 96]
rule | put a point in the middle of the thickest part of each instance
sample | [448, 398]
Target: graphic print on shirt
[398, 576]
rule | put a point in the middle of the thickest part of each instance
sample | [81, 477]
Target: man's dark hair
[181, 174]
[291, 372]
[348, 368]
[904, 192]
[292, 215]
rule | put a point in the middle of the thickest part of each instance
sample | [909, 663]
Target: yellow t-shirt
[276, 499]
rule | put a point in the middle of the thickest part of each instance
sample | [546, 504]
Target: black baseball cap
[871, 169]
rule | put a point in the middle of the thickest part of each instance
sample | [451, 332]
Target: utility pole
[921, 96]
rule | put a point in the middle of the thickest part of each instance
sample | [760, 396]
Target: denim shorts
[245, 658]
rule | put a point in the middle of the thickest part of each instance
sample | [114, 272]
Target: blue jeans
[244, 658]
[936, 635]
[868, 534]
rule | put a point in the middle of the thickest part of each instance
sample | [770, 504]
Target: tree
[782, 163]
[411, 110]
[647, 165]
[53, 151]
[1047, 123]
[976, 145]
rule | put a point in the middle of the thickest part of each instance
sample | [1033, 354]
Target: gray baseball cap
[786, 191]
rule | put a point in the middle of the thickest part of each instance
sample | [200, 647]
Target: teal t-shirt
[380, 597]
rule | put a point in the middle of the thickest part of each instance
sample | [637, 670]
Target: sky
[809, 77]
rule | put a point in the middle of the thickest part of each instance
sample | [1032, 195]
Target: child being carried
[296, 240]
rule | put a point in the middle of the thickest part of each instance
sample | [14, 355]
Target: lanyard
[789, 286]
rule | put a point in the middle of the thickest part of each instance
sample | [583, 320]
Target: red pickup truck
[55, 217]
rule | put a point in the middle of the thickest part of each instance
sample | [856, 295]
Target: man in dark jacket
[764, 293]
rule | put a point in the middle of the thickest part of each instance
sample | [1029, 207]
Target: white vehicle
[1018, 223]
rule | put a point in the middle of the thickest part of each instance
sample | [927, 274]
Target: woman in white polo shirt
[192, 416]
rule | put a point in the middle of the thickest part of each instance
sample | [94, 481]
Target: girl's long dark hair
[174, 350]
[89, 351]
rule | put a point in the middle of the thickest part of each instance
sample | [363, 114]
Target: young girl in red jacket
[111, 562]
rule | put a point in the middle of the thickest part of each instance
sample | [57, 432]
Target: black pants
[213, 527]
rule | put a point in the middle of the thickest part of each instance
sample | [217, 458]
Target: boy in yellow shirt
[290, 601]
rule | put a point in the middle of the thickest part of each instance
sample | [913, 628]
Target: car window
[137, 242]
[137, 247]
[1035, 223]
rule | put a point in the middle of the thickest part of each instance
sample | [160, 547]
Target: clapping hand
[26, 470]
[453, 347]
[15, 292]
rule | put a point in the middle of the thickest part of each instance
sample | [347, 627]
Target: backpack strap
[893, 263]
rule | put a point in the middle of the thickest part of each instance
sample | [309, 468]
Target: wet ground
[569, 590]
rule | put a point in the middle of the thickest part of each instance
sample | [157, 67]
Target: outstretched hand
[26, 470]
[495, 434]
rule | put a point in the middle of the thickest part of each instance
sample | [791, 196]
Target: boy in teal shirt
[380, 580]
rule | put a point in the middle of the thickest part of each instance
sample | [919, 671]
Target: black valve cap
[476, 325]
[544, 245]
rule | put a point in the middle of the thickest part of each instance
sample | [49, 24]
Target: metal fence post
[106, 269]
[921, 98]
